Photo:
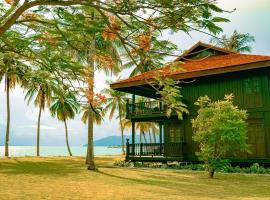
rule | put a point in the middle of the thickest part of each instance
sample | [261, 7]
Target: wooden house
[206, 70]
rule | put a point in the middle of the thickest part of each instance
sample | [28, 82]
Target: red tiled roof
[197, 68]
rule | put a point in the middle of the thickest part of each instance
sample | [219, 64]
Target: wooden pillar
[133, 138]
[133, 98]
[133, 125]
[127, 109]
[133, 103]
[160, 138]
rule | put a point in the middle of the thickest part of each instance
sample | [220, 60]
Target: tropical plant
[170, 94]
[55, 26]
[93, 113]
[12, 71]
[64, 107]
[116, 102]
[98, 115]
[40, 87]
[237, 42]
[220, 129]
[163, 15]
[143, 127]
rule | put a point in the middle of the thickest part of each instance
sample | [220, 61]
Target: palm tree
[93, 48]
[64, 107]
[116, 101]
[40, 87]
[237, 42]
[88, 46]
[91, 117]
[12, 71]
[143, 127]
[98, 115]
[143, 65]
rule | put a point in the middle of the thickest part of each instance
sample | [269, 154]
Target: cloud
[42, 127]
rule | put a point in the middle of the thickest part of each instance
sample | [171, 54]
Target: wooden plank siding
[252, 92]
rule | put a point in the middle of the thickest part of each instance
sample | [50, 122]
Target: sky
[250, 17]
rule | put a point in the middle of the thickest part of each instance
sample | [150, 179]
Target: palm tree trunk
[150, 138]
[91, 64]
[8, 118]
[144, 137]
[69, 151]
[122, 130]
[154, 136]
[90, 148]
[38, 129]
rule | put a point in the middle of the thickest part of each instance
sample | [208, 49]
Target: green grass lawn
[67, 178]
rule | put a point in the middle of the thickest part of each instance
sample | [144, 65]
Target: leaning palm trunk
[38, 129]
[122, 131]
[154, 136]
[8, 118]
[150, 138]
[144, 137]
[69, 151]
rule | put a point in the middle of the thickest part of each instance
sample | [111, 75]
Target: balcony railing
[146, 149]
[145, 108]
[154, 150]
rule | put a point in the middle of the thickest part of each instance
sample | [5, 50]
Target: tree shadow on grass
[122, 177]
[50, 167]
[189, 187]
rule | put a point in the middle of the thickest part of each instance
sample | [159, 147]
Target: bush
[257, 169]
[219, 128]
[122, 163]
[254, 169]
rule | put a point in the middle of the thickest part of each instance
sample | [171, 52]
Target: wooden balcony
[145, 109]
[154, 152]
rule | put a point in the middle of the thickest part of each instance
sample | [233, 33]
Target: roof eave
[197, 74]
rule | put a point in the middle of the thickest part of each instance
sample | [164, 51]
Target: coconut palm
[102, 48]
[91, 117]
[40, 87]
[12, 71]
[64, 107]
[237, 42]
[143, 127]
[89, 47]
[98, 115]
[116, 102]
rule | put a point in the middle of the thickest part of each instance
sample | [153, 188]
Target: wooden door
[256, 138]
[174, 138]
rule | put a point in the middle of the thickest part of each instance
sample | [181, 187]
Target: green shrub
[226, 168]
[122, 163]
[256, 168]
[220, 128]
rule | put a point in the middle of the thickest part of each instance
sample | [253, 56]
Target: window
[252, 85]
[253, 93]
[175, 133]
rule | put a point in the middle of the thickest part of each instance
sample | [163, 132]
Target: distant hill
[112, 141]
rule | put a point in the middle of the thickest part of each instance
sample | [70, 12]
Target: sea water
[18, 151]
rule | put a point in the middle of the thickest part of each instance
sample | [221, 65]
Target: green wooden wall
[252, 92]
